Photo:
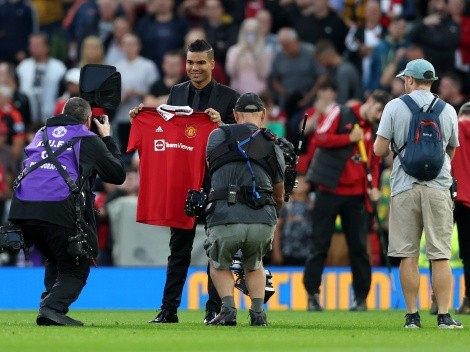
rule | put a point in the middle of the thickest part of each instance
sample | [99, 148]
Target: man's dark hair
[381, 96]
[78, 108]
[324, 46]
[43, 36]
[175, 52]
[328, 84]
[201, 46]
[454, 77]
[266, 97]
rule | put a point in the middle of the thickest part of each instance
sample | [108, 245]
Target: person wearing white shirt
[39, 78]
[137, 75]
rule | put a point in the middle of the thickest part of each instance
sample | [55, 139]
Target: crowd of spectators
[284, 50]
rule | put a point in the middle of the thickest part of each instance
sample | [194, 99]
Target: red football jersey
[172, 161]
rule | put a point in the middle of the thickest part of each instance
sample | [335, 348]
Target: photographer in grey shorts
[416, 204]
[247, 191]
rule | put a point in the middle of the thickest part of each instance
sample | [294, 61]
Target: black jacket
[221, 99]
[98, 156]
[438, 42]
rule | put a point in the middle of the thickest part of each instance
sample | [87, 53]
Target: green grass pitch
[288, 331]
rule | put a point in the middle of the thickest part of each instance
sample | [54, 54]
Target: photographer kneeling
[53, 202]
[247, 190]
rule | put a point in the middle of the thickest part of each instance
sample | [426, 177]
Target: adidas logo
[159, 129]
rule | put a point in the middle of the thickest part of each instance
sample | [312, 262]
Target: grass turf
[287, 331]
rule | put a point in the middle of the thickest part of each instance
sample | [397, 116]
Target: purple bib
[46, 183]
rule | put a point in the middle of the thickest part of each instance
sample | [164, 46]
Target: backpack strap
[438, 107]
[414, 108]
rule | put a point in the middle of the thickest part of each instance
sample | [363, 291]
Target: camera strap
[72, 185]
[255, 193]
[53, 158]
[28, 170]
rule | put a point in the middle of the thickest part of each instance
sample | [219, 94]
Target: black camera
[240, 283]
[290, 182]
[291, 159]
[11, 239]
[99, 118]
[196, 202]
[78, 246]
[453, 188]
[93, 127]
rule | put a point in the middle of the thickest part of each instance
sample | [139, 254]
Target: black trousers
[462, 219]
[181, 245]
[64, 277]
[353, 220]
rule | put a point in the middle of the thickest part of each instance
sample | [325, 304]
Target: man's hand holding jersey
[213, 114]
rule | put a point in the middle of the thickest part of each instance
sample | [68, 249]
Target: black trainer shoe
[165, 316]
[209, 316]
[445, 321]
[227, 317]
[47, 317]
[314, 303]
[359, 305]
[258, 318]
[413, 321]
[464, 307]
[433, 310]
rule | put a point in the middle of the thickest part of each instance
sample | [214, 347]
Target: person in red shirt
[316, 114]
[14, 122]
[460, 165]
[337, 170]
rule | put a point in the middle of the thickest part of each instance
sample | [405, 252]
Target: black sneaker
[314, 303]
[258, 318]
[433, 310]
[464, 307]
[165, 316]
[226, 317]
[359, 305]
[209, 316]
[413, 321]
[445, 321]
[47, 317]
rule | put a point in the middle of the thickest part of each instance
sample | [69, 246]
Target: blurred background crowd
[300, 56]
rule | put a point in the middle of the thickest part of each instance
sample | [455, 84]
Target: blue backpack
[424, 153]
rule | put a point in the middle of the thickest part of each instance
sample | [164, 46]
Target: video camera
[196, 202]
[290, 158]
[100, 85]
[240, 283]
[11, 239]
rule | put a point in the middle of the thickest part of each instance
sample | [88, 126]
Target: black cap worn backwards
[249, 102]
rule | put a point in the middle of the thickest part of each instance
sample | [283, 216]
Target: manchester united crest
[190, 131]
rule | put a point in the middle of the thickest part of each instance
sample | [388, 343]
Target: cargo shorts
[223, 241]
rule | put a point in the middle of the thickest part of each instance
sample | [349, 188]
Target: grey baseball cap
[419, 69]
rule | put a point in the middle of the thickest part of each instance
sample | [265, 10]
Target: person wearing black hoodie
[50, 211]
